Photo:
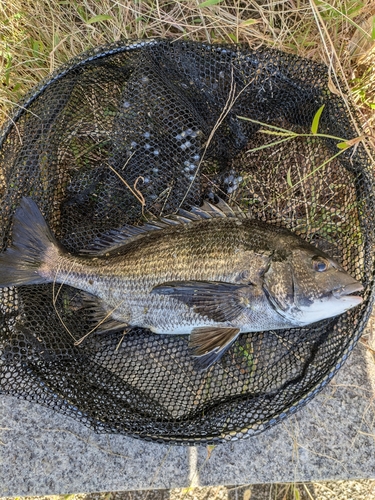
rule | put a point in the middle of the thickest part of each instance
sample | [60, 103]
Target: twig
[134, 191]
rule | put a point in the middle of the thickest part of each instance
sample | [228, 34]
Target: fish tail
[33, 246]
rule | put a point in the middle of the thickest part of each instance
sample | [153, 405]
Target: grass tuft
[36, 37]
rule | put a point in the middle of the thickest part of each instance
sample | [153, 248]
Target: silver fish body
[209, 273]
[133, 284]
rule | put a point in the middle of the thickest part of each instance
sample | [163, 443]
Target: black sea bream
[211, 273]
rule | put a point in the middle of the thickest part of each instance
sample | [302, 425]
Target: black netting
[169, 112]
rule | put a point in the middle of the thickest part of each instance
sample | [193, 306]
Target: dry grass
[36, 37]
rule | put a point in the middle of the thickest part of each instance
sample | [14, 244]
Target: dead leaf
[332, 87]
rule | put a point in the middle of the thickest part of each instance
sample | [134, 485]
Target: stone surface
[332, 438]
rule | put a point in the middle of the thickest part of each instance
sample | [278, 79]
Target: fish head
[305, 285]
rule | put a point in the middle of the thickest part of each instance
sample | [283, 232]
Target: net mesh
[139, 129]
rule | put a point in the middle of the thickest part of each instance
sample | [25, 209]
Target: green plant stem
[289, 132]
[312, 172]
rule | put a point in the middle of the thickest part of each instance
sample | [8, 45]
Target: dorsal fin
[189, 215]
[229, 211]
[212, 210]
[112, 241]
[202, 214]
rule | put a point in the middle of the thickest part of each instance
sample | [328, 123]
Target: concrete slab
[332, 438]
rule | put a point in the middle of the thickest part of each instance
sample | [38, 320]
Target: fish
[212, 273]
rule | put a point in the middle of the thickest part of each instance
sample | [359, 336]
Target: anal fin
[99, 314]
[210, 343]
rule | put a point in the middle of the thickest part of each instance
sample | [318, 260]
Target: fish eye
[320, 264]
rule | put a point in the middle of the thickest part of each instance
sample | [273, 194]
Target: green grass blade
[296, 493]
[99, 18]
[315, 122]
[274, 132]
[319, 167]
[208, 3]
[273, 127]
[269, 145]
[249, 22]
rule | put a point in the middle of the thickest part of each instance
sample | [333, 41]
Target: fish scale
[159, 259]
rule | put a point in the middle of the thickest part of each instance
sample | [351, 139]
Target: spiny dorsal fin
[229, 211]
[117, 238]
[189, 215]
[212, 210]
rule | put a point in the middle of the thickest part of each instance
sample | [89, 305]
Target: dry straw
[36, 37]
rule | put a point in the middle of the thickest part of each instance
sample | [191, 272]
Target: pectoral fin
[219, 301]
[209, 344]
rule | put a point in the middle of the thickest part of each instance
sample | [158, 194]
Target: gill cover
[278, 284]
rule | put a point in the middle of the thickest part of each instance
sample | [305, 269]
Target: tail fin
[32, 238]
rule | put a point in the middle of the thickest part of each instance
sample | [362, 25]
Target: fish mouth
[345, 291]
